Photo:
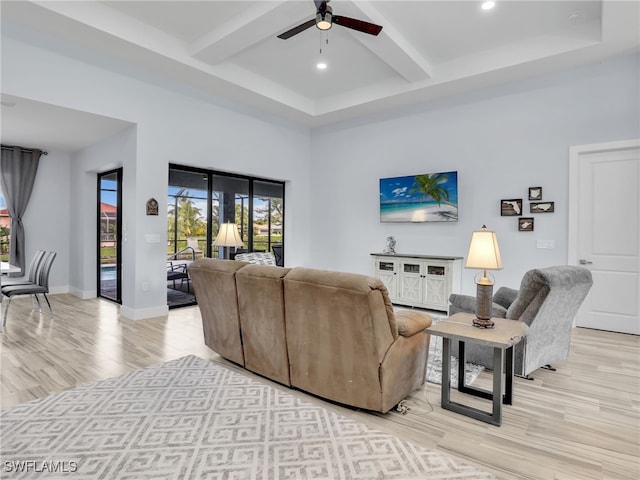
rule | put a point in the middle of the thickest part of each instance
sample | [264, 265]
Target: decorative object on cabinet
[391, 246]
[511, 207]
[423, 281]
[542, 207]
[484, 254]
[430, 197]
[535, 193]
[525, 224]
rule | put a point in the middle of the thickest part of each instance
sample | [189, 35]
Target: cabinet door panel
[390, 281]
[411, 288]
[436, 291]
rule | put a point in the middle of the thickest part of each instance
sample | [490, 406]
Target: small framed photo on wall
[525, 224]
[511, 207]
[535, 193]
[541, 207]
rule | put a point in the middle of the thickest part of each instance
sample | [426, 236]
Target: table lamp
[228, 236]
[484, 254]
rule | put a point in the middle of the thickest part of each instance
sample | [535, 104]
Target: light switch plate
[546, 244]
[152, 237]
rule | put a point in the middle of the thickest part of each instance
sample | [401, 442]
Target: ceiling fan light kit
[325, 19]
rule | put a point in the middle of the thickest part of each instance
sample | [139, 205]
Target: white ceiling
[427, 49]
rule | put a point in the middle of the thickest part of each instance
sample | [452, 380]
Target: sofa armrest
[410, 322]
[505, 296]
[463, 303]
[467, 303]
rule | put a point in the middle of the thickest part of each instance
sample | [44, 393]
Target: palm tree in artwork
[429, 186]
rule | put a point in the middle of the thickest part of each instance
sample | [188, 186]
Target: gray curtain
[18, 168]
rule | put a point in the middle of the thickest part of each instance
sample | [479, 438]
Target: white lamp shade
[484, 252]
[228, 236]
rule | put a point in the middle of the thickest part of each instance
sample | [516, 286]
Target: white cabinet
[419, 280]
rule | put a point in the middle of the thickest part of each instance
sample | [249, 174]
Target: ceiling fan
[325, 19]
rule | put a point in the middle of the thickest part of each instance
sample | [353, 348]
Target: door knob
[582, 261]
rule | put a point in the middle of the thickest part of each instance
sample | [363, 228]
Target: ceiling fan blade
[359, 25]
[296, 30]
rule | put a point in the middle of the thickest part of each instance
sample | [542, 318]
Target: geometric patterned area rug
[193, 419]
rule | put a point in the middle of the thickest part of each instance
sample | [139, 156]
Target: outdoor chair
[278, 253]
[192, 243]
[41, 286]
[177, 267]
[178, 271]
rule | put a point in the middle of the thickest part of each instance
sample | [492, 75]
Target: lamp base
[484, 293]
[482, 323]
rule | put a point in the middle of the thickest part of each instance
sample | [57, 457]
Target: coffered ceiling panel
[426, 49]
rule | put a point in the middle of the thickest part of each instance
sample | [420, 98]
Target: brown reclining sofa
[331, 334]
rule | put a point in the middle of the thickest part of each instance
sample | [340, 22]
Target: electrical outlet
[145, 286]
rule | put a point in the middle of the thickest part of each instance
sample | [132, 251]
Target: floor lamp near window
[484, 254]
[228, 237]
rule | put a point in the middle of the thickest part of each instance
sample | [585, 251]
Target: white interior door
[604, 233]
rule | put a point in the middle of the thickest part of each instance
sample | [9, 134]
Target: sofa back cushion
[548, 301]
[262, 320]
[214, 283]
[339, 328]
[567, 286]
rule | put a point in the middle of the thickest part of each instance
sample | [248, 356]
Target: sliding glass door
[229, 204]
[187, 227]
[109, 235]
[201, 200]
[268, 215]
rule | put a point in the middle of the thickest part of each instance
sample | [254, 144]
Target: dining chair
[41, 286]
[33, 272]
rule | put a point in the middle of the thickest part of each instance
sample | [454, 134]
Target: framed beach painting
[428, 197]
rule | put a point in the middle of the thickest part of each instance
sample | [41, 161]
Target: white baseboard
[83, 294]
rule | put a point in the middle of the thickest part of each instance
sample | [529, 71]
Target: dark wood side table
[502, 337]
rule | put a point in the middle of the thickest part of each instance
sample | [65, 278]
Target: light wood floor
[581, 422]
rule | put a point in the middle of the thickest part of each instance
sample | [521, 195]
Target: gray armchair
[547, 301]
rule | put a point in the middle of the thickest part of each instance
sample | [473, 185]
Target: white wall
[175, 126]
[501, 141]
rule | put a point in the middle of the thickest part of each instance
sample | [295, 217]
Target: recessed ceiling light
[321, 65]
[488, 5]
